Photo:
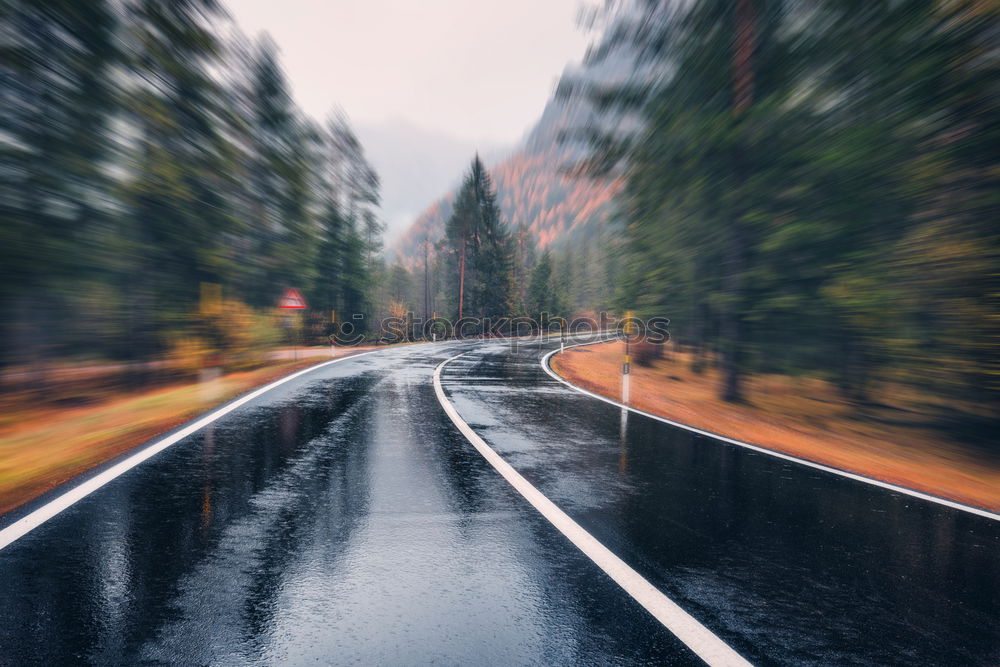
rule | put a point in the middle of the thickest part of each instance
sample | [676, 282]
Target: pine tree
[495, 261]
[55, 203]
[546, 297]
[480, 247]
[283, 150]
[177, 216]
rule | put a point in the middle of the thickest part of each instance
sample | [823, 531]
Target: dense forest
[816, 189]
[802, 188]
[160, 188]
[487, 269]
[812, 189]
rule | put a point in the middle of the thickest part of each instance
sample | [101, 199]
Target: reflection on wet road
[341, 518]
[785, 563]
[338, 519]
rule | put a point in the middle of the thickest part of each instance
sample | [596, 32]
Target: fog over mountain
[414, 165]
[533, 182]
[533, 187]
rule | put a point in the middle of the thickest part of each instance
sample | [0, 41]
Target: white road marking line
[763, 450]
[685, 627]
[50, 509]
[29, 522]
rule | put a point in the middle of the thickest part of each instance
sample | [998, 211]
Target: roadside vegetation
[809, 194]
[162, 190]
[808, 189]
[44, 443]
[814, 191]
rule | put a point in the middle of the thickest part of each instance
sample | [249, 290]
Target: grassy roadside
[802, 417]
[43, 446]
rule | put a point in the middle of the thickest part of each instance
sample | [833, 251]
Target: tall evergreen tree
[56, 99]
[147, 153]
[282, 152]
[462, 235]
[177, 214]
[805, 173]
[480, 246]
[546, 296]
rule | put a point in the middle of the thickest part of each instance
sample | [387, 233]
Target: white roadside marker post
[628, 360]
[625, 380]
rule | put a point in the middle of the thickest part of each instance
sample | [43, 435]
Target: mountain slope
[534, 184]
[412, 161]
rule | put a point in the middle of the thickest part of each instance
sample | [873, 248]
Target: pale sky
[477, 70]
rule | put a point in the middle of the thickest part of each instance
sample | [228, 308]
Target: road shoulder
[907, 457]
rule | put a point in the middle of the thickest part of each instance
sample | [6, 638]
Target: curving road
[343, 518]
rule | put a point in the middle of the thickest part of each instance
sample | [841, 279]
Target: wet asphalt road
[341, 518]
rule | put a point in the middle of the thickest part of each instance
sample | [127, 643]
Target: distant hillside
[411, 162]
[533, 184]
[532, 188]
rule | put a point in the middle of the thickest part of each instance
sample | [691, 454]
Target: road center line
[29, 522]
[763, 450]
[685, 627]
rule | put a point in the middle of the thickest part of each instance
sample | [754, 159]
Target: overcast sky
[478, 70]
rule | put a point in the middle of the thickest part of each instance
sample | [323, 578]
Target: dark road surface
[342, 518]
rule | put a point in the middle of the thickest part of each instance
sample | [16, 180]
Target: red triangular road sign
[292, 298]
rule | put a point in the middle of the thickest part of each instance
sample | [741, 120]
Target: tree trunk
[736, 242]
[427, 284]
[461, 280]
[853, 370]
[732, 317]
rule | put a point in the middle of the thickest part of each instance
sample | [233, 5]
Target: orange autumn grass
[44, 446]
[802, 417]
